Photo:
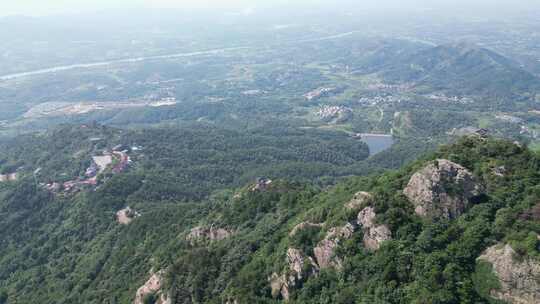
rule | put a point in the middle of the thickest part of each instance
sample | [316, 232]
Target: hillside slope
[408, 236]
[411, 236]
[465, 69]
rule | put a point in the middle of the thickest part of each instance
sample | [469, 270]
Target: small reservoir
[377, 142]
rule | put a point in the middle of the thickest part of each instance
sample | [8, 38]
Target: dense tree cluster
[70, 249]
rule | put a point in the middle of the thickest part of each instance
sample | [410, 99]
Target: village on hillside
[112, 161]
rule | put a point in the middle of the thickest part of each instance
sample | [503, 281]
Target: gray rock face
[262, 184]
[323, 254]
[303, 226]
[154, 285]
[499, 171]
[374, 234]
[442, 189]
[519, 278]
[279, 286]
[200, 234]
[126, 216]
[358, 200]
[325, 250]
[296, 262]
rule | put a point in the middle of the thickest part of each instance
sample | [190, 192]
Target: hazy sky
[44, 7]
[41, 7]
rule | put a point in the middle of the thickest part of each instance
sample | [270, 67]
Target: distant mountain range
[462, 68]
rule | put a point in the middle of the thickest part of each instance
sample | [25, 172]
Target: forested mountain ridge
[300, 152]
[189, 162]
[465, 68]
[407, 236]
[368, 240]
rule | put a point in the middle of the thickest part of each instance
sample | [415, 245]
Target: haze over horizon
[270, 151]
[53, 7]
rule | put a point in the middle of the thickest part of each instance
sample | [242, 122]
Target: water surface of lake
[377, 142]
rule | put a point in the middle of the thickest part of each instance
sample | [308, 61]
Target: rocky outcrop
[280, 286]
[201, 234]
[262, 184]
[152, 287]
[499, 171]
[302, 226]
[126, 216]
[296, 261]
[325, 250]
[358, 200]
[374, 234]
[519, 277]
[300, 266]
[296, 272]
[442, 189]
